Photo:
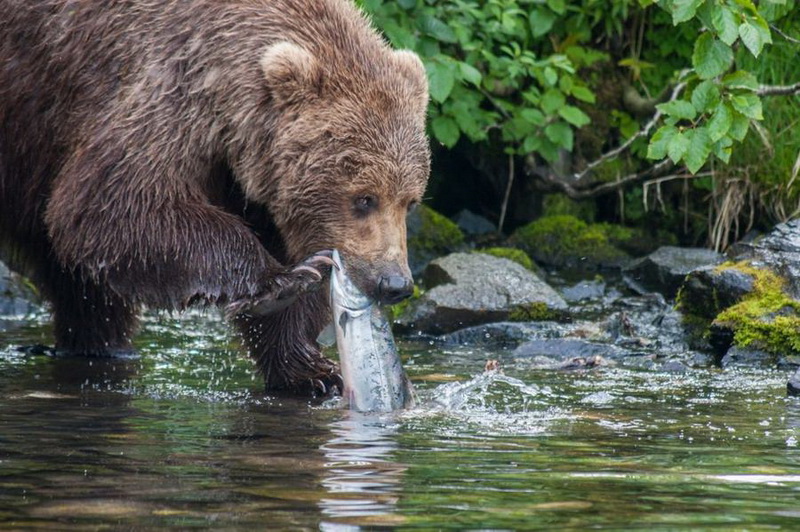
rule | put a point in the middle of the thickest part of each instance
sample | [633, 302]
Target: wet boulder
[793, 386]
[708, 290]
[467, 289]
[17, 298]
[473, 225]
[664, 270]
[780, 250]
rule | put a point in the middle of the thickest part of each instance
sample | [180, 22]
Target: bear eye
[412, 205]
[365, 204]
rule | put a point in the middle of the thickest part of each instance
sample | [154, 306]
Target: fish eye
[365, 204]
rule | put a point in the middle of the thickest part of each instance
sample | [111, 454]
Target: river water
[184, 437]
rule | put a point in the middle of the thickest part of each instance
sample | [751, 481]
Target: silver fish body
[374, 379]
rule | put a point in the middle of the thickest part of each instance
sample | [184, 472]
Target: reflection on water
[183, 437]
[361, 477]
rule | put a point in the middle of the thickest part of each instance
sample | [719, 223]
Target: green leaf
[470, 73]
[541, 21]
[705, 96]
[660, 141]
[751, 37]
[559, 6]
[560, 134]
[552, 101]
[698, 149]
[530, 145]
[583, 94]
[440, 79]
[740, 79]
[533, 116]
[711, 57]
[723, 149]
[683, 10]
[724, 22]
[445, 130]
[407, 4]
[677, 146]
[748, 104]
[739, 126]
[574, 116]
[720, 123]
[437, 29]
[680, 109]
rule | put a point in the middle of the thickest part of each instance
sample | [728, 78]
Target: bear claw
[285, 287]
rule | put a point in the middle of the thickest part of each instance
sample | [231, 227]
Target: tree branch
[774, 28]
[778, 90]
[603, 188]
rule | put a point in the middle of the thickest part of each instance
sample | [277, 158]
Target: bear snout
[394, 289]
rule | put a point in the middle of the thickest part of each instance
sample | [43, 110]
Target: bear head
[349, 157]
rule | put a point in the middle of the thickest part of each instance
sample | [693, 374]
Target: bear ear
[413, 70]
[289, 69]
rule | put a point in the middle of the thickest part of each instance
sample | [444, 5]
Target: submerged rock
[466, 289]
[503, 333]
[743, 356]
[567, 349]
[664, 270]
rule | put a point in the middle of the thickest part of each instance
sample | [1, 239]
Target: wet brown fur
[162, 153]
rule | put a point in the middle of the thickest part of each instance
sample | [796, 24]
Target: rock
[780, 249]
[503, 334]
[674, 366]
[16, 297]
[743, 356]
[585, 290]
[472, 224]
[647, 319]
[793, 386]
[430, 235]
[566, 349]
[466, 289]
[709, 290]
[664, 270]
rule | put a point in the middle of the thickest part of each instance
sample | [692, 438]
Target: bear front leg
[285, 348]
[283, 288]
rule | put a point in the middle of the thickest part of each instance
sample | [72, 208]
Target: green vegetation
[513, 254]
[767, 318]
[429, 231]
[535, 312]
[683, 82]
[567, 241]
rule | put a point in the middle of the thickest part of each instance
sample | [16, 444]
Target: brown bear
[167, 153]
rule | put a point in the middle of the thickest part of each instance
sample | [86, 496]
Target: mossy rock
[512, 254]
[430, 235]
[767, 318]
[565, 240]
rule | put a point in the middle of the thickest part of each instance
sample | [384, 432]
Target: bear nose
[394, 288]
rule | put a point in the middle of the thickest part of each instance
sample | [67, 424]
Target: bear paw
[283, 289]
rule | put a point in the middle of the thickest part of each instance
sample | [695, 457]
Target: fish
[373, 375]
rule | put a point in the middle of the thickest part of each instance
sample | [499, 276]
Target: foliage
[540, 78]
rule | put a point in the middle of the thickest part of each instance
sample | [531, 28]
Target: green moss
[566, 240]
[395, 311]
[767, 318]
[431, 231]
[513, 254]
[534, 312]
[559, 205]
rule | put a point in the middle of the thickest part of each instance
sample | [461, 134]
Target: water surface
[184, 437]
